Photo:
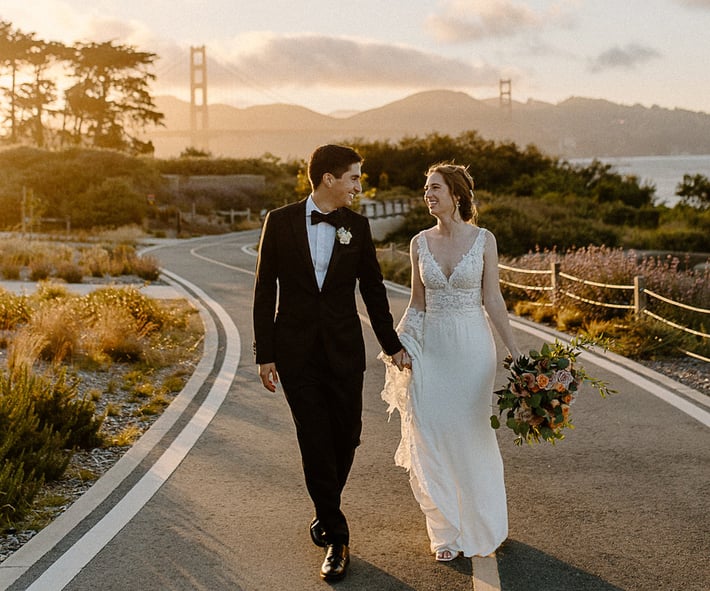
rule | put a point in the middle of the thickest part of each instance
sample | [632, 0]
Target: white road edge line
[21, 560]
[485, 573]
[61, 573]
[615, 364]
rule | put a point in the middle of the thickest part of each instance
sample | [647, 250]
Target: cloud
[460, 21]
[623, 57]
[314, 60]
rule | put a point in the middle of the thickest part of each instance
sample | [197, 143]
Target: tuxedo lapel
[298, 225]
[337, 248]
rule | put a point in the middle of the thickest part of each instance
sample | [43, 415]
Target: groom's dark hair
[330, 158]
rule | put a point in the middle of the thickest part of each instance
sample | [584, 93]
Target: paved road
[213, 499]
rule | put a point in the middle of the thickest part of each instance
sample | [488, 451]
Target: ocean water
[664, 172]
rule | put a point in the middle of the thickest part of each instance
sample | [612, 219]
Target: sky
[332, 56]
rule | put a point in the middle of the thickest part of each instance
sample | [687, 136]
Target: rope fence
[638, 301]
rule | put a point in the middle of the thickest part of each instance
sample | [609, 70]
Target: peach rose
[542, 380]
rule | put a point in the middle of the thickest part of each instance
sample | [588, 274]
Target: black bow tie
[329, 218]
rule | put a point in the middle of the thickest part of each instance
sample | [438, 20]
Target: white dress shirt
[321, 238]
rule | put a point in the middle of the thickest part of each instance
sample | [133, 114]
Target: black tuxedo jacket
[289, 310]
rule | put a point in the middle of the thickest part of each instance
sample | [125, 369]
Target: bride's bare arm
[417, 298]
[493, 298]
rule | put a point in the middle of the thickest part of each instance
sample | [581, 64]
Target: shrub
[59, 326]
[14, 310]
[40, 270]
[10, 270]
[50, 291]
[96, 260]
[30, 451]
[115, 334]
[146, 267]
[70, 272]
[58, 405]
[24, 349]
[138, 305]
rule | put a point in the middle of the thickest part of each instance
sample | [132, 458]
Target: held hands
[269, 376]
[402, 360]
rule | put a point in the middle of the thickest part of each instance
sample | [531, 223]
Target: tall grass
[53, 334]
[39, 260]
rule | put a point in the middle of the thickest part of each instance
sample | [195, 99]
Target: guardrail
[387, 208]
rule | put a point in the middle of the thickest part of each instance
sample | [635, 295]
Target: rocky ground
[693, 373]
[58, 496]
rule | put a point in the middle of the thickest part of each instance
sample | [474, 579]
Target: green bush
[682, 240]
[30, 451]
[58, 406]
[41, 421]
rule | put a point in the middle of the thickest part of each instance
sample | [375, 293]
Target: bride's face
[438, 197]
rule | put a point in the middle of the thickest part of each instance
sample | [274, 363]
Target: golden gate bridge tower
[199, 129]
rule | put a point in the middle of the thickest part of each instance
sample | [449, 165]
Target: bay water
[664, 172]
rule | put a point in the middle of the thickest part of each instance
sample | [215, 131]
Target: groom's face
[345, 188]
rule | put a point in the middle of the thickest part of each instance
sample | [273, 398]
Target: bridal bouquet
[540, 389]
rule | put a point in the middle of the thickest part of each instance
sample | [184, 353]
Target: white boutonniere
[343, 235]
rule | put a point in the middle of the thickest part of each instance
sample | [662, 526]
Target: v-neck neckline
[463, 257]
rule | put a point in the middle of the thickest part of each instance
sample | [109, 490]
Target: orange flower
[565, 411]
[565, 417]
[542, 380]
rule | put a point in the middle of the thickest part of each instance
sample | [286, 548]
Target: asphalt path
[214, 498]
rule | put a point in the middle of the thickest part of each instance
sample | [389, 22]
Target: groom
[308, 334]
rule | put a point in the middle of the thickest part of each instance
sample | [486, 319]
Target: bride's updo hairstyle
[460, 185]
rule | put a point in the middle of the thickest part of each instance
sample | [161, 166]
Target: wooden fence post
[554, 282]
[640, 300]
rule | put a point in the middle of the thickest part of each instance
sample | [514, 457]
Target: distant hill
[574, 128]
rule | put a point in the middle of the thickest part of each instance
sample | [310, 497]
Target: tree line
[529, 200]
[84, 94]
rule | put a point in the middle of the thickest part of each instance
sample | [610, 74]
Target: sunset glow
[330, 57]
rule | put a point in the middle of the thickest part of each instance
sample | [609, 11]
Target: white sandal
[445, 555]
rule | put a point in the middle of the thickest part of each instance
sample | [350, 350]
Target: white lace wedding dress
[448, 445]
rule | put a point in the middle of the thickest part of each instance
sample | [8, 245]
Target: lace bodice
[461, 291]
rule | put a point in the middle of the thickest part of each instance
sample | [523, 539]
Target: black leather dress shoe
[335, 565]
[318, 533]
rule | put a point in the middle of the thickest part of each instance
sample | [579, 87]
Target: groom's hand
[268, 375]
[402, 360]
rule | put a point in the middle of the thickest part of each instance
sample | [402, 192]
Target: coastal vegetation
[51, 343]
[530, 200]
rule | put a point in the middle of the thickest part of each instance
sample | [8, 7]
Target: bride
[448, 445]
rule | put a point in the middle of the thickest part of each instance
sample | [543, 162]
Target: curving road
[212, 498]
